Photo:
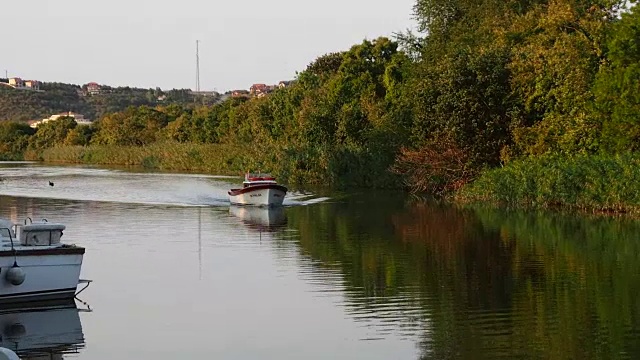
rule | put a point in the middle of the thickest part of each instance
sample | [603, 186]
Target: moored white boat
[258, 190]
[35, 265]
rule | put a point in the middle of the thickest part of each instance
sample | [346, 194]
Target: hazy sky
[149, 43]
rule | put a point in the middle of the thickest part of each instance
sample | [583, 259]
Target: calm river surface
[180, 274]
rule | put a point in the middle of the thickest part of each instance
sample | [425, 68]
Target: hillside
[23, 105]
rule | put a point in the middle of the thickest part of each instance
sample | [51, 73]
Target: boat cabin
[258, 179]
[33, 234]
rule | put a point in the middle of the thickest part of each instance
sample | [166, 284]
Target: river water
[180, 274]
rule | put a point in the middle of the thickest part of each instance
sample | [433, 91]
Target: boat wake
[100, 185]
[303, 200]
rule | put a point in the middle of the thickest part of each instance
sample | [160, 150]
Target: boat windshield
[259, 177]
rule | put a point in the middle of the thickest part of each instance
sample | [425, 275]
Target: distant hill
[24, 105]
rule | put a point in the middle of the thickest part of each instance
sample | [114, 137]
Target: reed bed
[599, 183]
[219, 159]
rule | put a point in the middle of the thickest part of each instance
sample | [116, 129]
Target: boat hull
[50, 275]
[259, 195]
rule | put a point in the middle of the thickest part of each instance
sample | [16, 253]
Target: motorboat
[35, 265]
[43, 330]
[258, 190]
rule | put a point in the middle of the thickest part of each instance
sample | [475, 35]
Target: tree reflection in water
[478, 283]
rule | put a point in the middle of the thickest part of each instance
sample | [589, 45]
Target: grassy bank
[301, 165]
[592, 183]
[599, 183]
[219, 159]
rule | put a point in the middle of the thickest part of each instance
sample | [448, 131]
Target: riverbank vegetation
[603, 183]
[529, 99]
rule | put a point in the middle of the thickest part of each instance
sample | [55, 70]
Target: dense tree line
[483, 84]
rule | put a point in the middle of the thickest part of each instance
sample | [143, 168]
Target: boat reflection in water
[43, 331]
[260, 218]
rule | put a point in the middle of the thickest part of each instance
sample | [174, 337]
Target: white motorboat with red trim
[258, 190]
[35, 265]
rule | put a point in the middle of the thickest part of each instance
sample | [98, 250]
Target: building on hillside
[285, 83]
[79, 119]
[32, 84]
[93, 88]
[257, 89]
[260, 90]
[16, 82]
[267, 90]
[239, 93]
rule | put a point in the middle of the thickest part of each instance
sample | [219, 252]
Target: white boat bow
[35, 264]
[258, 190]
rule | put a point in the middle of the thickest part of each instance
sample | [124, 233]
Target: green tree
[14, 139]
[52, 133]
[617, 89]
[80, 135]
[558, 49]
[134, 126]
[199, 125]
[466, 97]
[326, 65]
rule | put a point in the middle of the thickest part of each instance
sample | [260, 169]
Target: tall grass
[207, 158]
[296, 164]
[587, 182]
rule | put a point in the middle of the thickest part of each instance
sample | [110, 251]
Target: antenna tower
[197, 66]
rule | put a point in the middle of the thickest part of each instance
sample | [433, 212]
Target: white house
[18, 83]
[32, 84]
[79, 118]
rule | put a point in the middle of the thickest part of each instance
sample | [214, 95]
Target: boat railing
[5, 233]
[44, 220]
[8, 232]
[13, 249]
